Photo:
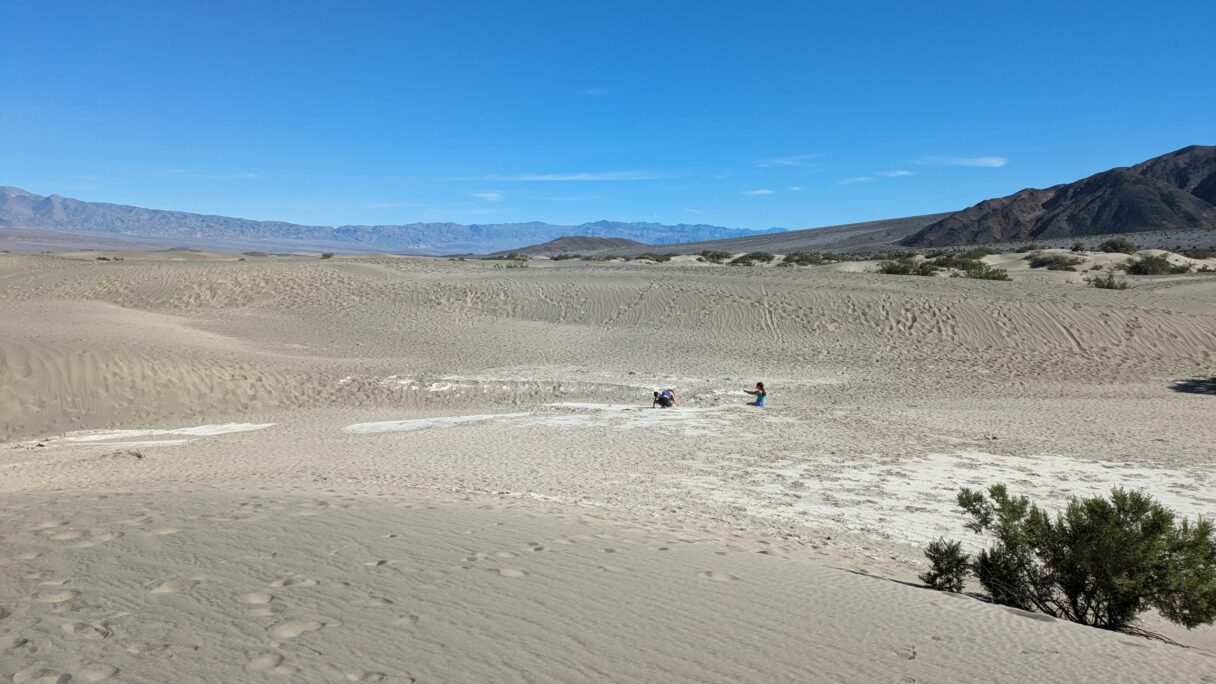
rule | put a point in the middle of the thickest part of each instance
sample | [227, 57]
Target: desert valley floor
[402, 469]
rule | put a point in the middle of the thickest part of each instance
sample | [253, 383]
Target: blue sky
[746, 114]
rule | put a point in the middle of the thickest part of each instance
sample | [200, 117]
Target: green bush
[327, 255]
[1102, 562]
[715, 257]
[982, 271]
[980, 253]
[1155, 265]
[1119, 245]
[564, 257]
[1032, 247]
[751, 258]
[1199, 253]
[652, 256]
[907, 266]
[807, 259]
[1054, 262]
[948, 566]
[1078, 246]
[1108, 282]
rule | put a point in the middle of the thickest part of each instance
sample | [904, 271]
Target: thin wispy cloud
[759, 193]
[795, 188]
[488, 196]
[694, 211]
[792, 160]
[202, 175]
[991, 162]
[898, 173]
[589, 176]
[857, 179]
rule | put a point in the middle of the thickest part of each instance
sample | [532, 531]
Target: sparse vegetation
[1155, 265]
[1108, 282]
[907, 266]
[808, 259]
[1032, 247]
[980, 253]
[715, 257]
[327, 255]
[751, 258]
[512, 264]
[1121, 245]
[510, 256]
[1199, 253]
[564, 257]
[948, 566]
[1102, 562]
[982, 271]
[1054, 262]
[652, 256]
[1078, 246]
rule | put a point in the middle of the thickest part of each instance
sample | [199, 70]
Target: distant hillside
[578, 244]
[21, 210]
[871, 236]
[1176, 191]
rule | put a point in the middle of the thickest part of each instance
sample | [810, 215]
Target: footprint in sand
[97, 672]
[161, 531]
[4, 612]
[718, 576]
[264, 662]
[27, 555]
[376, 563]
[256, 598]
[175, 586]
[365, 676]
[66, 535]
[376, 601]
[87, 630]
[54, 596]
[294, 582]
[9, 642]
[406, 621]
[294, 628]
[512, 572]
[37, 674]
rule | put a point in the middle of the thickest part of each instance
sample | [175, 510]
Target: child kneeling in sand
[759, 393]
[664, 399]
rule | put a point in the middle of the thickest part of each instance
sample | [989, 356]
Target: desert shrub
[510, 256]
[1032, 247]
[1155, 265]
[1108, 282]
[103, 258]
[1199, 253]
[1122, 245]
[751, 258]
[327, 255]
[1053, 262]
[659, 258]
[1102, 562]
[715, 257]
[907, 266]
[512, 264]
[948, 566]
[952, 260]
[1078, 246]
[807, 259]
[982, 271]
[565, 257]
[980, 253]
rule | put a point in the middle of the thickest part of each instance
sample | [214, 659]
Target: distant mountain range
[1176, 191]
[22, 210]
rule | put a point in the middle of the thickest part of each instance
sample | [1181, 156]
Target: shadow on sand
[1196, 386]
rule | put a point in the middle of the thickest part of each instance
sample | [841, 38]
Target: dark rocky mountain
[1176, 191]
[578, 244]
[21, 210]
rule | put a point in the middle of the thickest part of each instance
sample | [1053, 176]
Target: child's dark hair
[760, 385]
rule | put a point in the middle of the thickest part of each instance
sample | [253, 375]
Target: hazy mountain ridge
[20, 209]
[1176, 191]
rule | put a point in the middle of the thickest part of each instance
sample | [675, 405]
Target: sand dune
[384, 468]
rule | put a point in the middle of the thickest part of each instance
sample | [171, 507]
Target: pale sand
[384, 468]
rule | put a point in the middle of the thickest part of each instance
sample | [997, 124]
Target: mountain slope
[1176, 191]
[578, 244]
[24, 210]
